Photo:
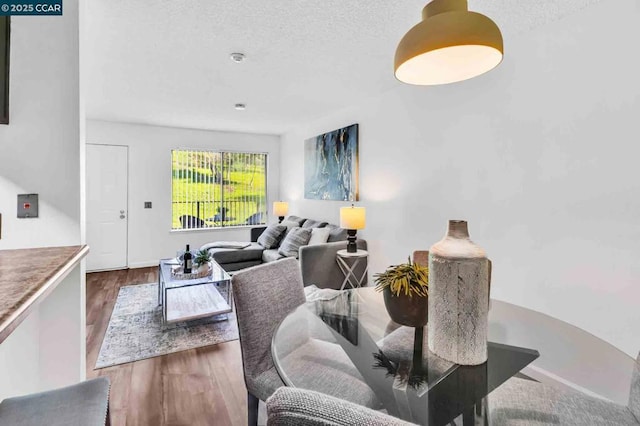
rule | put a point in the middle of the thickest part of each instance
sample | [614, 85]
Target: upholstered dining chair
[299, 407]
[83, 404]
[264, 295]
[421, 257]
[521, 401]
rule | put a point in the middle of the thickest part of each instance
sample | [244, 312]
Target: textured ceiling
[166, 62]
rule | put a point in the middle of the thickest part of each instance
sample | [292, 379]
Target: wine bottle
[188, 261]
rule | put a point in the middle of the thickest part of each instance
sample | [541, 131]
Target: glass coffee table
[190, 299]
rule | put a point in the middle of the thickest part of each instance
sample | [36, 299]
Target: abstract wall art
[331, 165]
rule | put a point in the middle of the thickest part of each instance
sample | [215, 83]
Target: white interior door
[107, 213]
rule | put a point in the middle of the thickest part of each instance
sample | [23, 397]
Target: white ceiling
[166, 62]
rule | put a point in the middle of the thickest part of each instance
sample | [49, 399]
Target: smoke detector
[237, 57]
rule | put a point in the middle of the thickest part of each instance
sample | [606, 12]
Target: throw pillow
[310, 223]
[295, 239]
[271, 236]
[290, 224]
[299, 220]
[336, 234]
[319, 236]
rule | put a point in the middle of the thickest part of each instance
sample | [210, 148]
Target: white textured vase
[458, 297]
[204, 268]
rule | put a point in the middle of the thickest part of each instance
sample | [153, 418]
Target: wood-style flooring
[201, 386]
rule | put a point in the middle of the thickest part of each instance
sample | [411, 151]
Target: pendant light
[450, 44]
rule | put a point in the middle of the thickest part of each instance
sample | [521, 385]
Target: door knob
[121, 216]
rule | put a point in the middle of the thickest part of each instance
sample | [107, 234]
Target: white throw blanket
[226, 244]
[313, 293]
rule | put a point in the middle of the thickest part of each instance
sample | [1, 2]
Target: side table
[343, 258]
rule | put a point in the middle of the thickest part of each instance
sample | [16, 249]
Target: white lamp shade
[449, 65]
[280, 208]
[353, 217]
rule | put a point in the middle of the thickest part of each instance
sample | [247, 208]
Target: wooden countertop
[27, 276]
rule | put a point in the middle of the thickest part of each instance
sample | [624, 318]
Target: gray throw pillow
[336, 234]
[310, 223]
[298, 219]
[290, 224]
[271, 236]
[296, 238]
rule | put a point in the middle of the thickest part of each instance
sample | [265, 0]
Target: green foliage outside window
[218, 189]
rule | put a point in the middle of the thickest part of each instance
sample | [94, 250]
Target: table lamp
[352, 218]
[280, 209]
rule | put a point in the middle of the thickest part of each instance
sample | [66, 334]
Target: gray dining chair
[521, 401]
[421, 257]
[299, 407]
[83, 404]
[264, 295]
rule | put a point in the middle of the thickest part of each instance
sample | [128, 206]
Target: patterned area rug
[136, 332]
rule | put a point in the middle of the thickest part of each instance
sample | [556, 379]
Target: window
[218, 189]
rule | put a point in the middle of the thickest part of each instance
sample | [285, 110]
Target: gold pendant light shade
[450, 44]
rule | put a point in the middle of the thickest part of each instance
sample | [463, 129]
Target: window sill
[220, 228]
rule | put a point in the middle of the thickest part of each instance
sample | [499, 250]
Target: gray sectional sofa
[317, 262]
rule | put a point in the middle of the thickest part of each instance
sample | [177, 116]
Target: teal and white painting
[331, 165]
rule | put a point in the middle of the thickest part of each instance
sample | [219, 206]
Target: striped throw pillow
[296, 238]
[271, 236]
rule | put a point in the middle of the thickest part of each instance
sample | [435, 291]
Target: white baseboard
[145, 264]
[107, 269]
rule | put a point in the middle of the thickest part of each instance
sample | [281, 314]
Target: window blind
[218, 189]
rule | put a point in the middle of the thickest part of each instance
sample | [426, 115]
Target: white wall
[40, 148]
[540, 156]
[150, 236]
[42, 352]
[40, 152]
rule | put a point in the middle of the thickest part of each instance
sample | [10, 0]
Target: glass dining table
[411, 383]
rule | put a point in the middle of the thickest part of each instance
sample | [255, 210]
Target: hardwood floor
[201, 386]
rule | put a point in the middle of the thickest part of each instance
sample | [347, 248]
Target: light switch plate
[27, 206]
[147, 204]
